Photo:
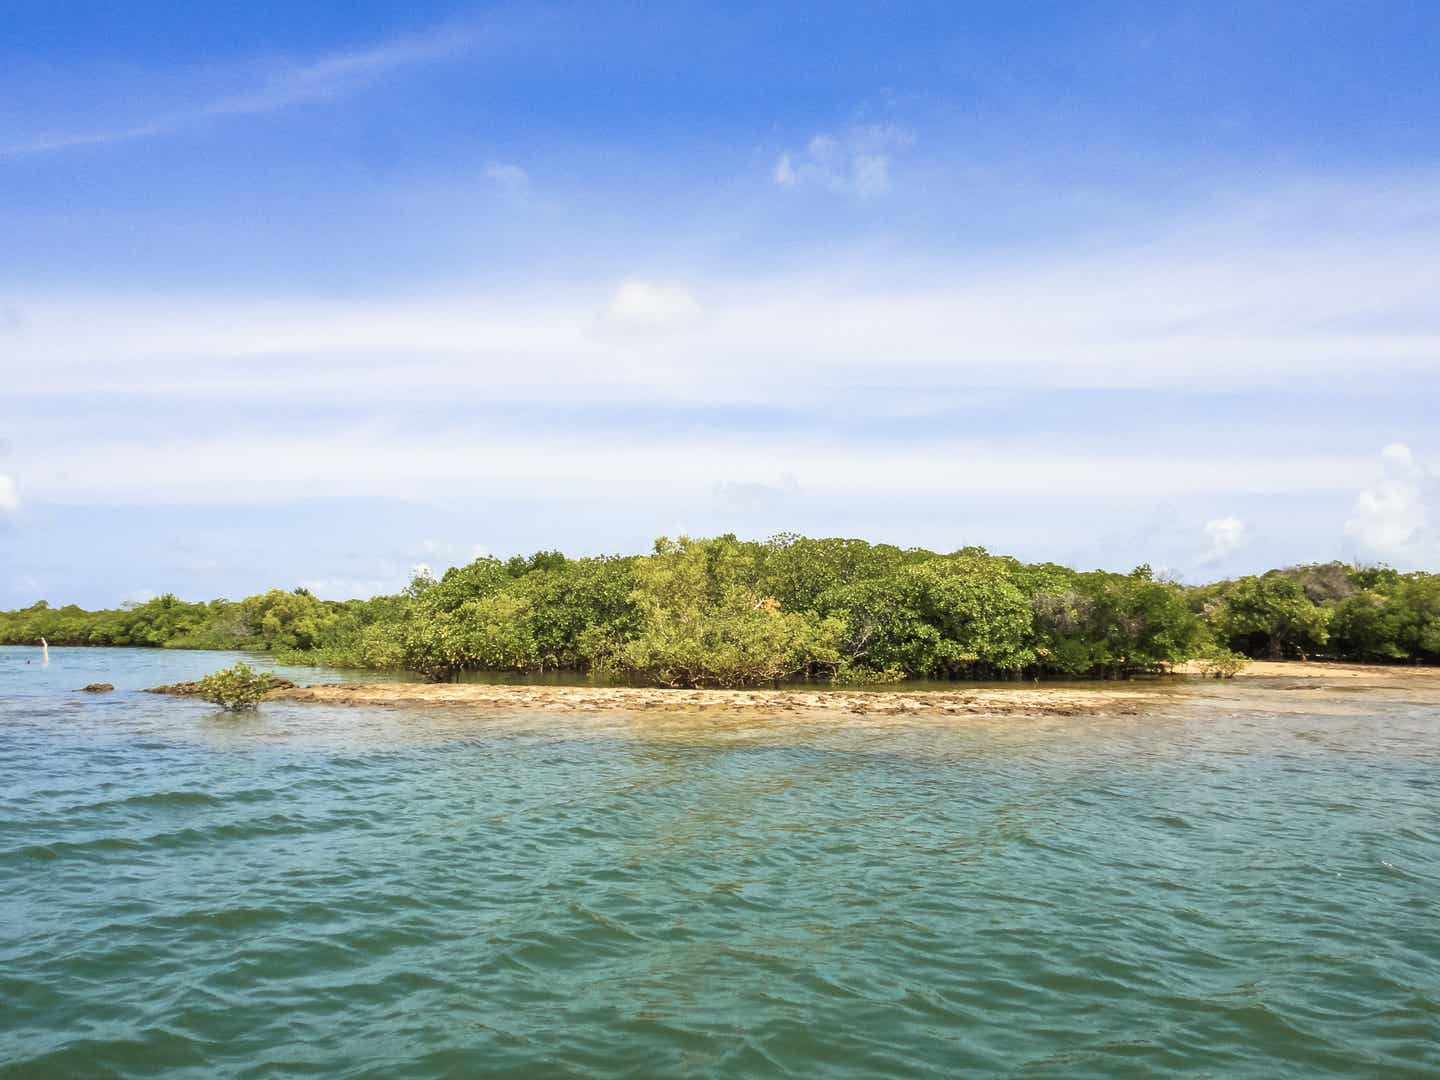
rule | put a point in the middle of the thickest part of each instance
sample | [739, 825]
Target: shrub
[236, 688]
[1220, 663]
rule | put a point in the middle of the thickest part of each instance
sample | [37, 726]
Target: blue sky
[318, 293]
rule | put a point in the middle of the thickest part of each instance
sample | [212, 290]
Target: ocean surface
[1240, 881]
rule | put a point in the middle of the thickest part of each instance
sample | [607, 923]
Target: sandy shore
[1029, 700]
[1023, 699]
[1297, 669]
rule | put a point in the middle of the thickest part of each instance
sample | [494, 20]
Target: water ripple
[1229, 884]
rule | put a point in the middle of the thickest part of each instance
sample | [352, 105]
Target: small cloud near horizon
[9, 495]
[753, 495]
[639, 304]
[1392, 518]
[345, 588]
[1226, 536]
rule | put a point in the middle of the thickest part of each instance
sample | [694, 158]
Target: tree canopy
[728, 612]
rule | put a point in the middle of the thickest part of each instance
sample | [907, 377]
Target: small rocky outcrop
[192, 689]
[179, 689]
[97, 688]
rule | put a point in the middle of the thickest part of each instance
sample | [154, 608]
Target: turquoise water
[1242, 880]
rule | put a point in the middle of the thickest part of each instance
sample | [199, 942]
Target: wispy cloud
[854, 161]
[510, 179]
[750, 495]
[650, 304]
[275, 87]
[1224, 303]
[709, 369]
[268, 468]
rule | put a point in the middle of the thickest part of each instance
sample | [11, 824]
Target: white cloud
[1224, 536]
[351, 588]
[750, 495]
[1393, 517]
[651, 304]
[390, 573]
[784, 173]
[856, 161]
[871, 174]
[368, 462]
[510, 179]
[272, 88]
[449, 553]
[1230, 306]
[9, 495]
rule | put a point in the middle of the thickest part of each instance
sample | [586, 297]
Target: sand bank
[1033, 700]
[1328, 672]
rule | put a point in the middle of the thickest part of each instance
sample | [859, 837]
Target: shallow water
[1240, 881]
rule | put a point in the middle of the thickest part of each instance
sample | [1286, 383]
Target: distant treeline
[726, 612]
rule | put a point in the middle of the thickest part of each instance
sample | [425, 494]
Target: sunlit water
[1243, 880]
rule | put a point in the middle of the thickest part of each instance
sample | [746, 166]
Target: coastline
[1327, 671]
[1028, 699]
[1031, 700]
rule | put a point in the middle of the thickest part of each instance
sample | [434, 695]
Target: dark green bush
[727, 612]
[236, 688]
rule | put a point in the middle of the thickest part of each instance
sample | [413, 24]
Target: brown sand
[1035, 699]
[1032, 700]
[1299, 669]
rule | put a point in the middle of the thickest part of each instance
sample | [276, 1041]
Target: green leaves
[702, 619]
[726, 612]
[1272, 614]
[959, 616]
[236, 688]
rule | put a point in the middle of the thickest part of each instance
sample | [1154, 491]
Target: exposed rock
[97, 688]
[179, 689]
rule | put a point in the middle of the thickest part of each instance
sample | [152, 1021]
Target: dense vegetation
[726, 612]
[237, 688]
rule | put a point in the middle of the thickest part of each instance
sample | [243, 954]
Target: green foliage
[797, 571]
[947, 617]
[236, 688]
[1273, 614]
[1391, 620]
[726, 612]
[1219, 662]
[700, 620]
[1115, 625]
